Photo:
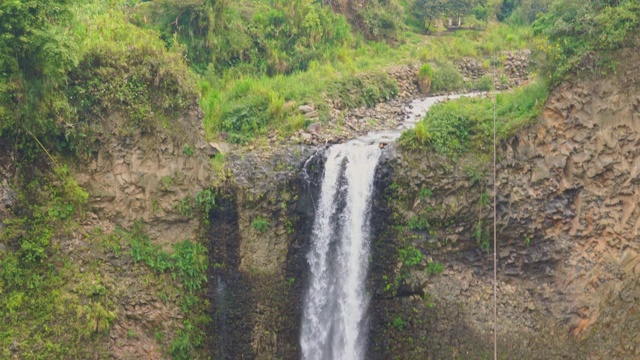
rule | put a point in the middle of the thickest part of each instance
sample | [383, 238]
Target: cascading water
[334, 313]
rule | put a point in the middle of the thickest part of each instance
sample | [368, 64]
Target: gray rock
[7, 197]
[312, 114]
[315, 128]
[305, 109]
[220, 147]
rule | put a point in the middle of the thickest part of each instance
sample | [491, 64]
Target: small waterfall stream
[335, 306]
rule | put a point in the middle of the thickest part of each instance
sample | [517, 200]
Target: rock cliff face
[567, 220]
[147, 175]
[257, 245]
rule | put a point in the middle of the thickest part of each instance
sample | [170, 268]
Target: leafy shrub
[260, 224]
[446, 77]
[381, 20]
[398, 323]
[480, 12]
[434, 268]
[187, 150]
[142, 250]
[485, 83]
[190, 264]
[188, 261]
[418, 222]
[185, 342]
[410, 256]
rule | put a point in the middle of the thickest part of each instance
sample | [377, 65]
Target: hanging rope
[495, 243]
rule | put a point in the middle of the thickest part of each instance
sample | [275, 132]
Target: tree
[460, 8]
[430, 10]
[34, 40]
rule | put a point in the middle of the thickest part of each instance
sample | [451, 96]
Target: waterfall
[335, 306]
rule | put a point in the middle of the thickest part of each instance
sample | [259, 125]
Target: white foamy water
[335, 306]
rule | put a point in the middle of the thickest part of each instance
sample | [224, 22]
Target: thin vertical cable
[495, 243]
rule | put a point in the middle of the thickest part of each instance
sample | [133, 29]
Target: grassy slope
[221, 96]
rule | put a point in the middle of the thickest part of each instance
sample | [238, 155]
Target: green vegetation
[399, 323]
[188, 261]
[418, 222]
[410, 256]
[268, 37]
[202, 203]
[425, 193]
[425, 76]
[582, 34]
[465, 125]
[39, 285]
[434, 268]
[260, 224]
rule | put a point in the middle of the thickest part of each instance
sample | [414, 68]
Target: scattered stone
[307, 137]
[220, 147]
[311, 114]
[305, 109]
[315, 128]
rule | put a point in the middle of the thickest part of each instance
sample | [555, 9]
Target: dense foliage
[274, 37]
[36, 51]
[582, 34]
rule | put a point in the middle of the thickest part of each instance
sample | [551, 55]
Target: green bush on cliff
[36, 52]
[410, 256]
[260, 224]
[190, 264]
[581, 34]
[47, 304]
[127, 71]
[188, 261]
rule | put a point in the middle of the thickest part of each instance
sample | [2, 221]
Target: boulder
[218, 147]
[315, 128]
[305, 109]
[311, 114]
